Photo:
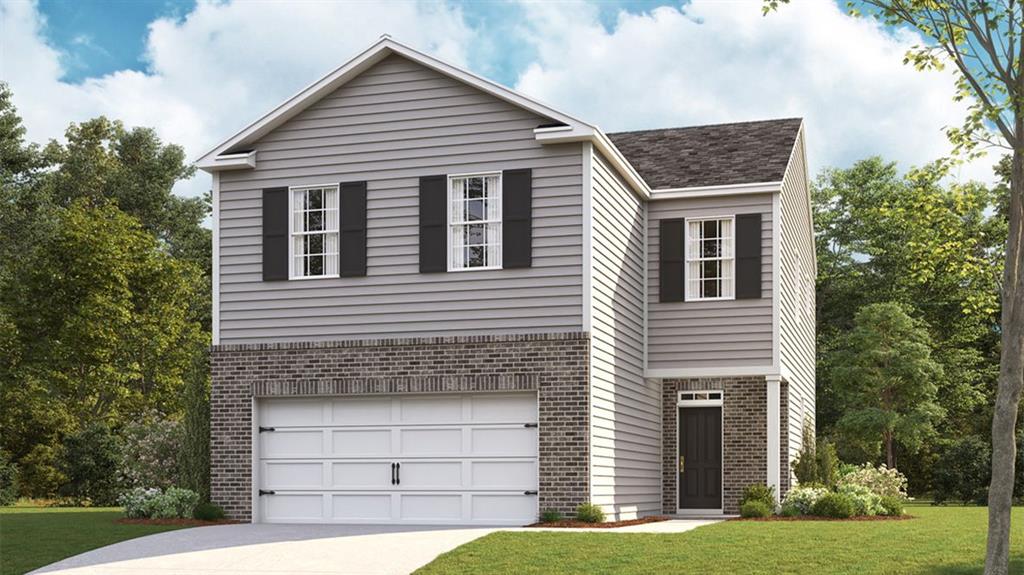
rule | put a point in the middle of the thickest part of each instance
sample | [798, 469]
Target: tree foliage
[887, 380]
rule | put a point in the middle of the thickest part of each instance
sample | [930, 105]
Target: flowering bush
[882, 481]
[801, 500]
[151, 453]
[153, 503]
[865, 501]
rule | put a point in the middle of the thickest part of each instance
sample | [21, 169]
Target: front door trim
[703, 398]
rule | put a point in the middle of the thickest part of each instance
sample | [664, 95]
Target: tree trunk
[1011, 380]
[890, 458]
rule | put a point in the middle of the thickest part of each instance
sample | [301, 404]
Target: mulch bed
[814, 518]
[568, 523]
[183, 522]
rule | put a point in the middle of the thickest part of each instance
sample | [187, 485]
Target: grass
[943, 540]
[31, 537]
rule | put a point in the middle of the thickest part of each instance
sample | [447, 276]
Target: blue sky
[199, 70]
[98, 37]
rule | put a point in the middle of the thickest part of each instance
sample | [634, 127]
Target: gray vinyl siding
[389, 126]
[797, 275]
[709, 334]
[625, 408]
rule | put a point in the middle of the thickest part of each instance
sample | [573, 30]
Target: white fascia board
[372, 55]
[721, 190]
[692, 372]
[586, 133]
[243, 161]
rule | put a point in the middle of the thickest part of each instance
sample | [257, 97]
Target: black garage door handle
[398, 474]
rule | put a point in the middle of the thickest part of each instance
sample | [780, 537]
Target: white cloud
[713, 61]
[218, 69]
[225, 64]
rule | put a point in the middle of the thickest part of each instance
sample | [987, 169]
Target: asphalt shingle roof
[713, 155]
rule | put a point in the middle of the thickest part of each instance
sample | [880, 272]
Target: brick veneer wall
[745, 432]
[555, 365]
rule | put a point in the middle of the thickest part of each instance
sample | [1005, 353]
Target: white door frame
[703, 398]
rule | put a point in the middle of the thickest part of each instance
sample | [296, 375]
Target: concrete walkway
[300, 549]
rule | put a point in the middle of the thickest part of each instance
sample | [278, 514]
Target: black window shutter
[517, 218]
[352, 229]
[275, 234]
[748, 256]
[671, 260]
[433, 221]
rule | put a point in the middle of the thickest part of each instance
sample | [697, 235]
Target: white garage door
[458, 459]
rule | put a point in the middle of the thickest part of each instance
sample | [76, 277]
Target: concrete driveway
[254, 549]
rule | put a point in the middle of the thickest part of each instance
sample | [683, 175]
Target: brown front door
[700, 458]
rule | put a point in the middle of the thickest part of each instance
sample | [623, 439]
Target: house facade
[439, 301]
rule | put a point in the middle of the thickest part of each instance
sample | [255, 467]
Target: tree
[888, 379]
[102, 313]
[984, 41]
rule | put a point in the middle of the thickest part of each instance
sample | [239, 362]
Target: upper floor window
[314, 232]
[710, 259]
[474, 222]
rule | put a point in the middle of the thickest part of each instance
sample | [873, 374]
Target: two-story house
[437, 300]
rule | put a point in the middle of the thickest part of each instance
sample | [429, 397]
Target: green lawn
[31, 537]
[945, 540]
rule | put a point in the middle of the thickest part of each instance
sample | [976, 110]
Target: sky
[198, 71]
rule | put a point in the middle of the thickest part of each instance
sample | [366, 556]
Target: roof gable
[225, 156]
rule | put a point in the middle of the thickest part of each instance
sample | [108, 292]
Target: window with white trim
[710, 259]
[314, 232]
[474, 222]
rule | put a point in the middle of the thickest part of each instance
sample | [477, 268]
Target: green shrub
[550, 515]
[759, 492]
[39, 473]
[208, 512]
[891, 506]
[8, 480]
[835, 505]
[800, 500]
[963, 471]
[817, 461]
[90, 460]
[589, 513]
[194, 451]
[755, 508]
[865, 501]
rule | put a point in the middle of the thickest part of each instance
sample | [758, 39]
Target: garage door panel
[503, 474]
[293, 475]
[503, 409]
[503, 441]
[496, 507]
[361, 442]
[292, 443]
[432, 442]
[361, 507]
[431, 474]
[293, 507]
[376, 411]
[463, 458]
[360, 474]
[434, 507]
[291, 413]
[444, 409]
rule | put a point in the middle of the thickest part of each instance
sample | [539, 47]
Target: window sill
[688, 300]
[304, 278]
[476, 269]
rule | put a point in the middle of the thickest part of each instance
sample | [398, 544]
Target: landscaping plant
[589, 513]
[90, 460]
[550, 515]
[756, 508]
[835, 505]
[891, 506]
[884, 481]
[865, 501]
[800, 500]
[208, 512]
[154, 503]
